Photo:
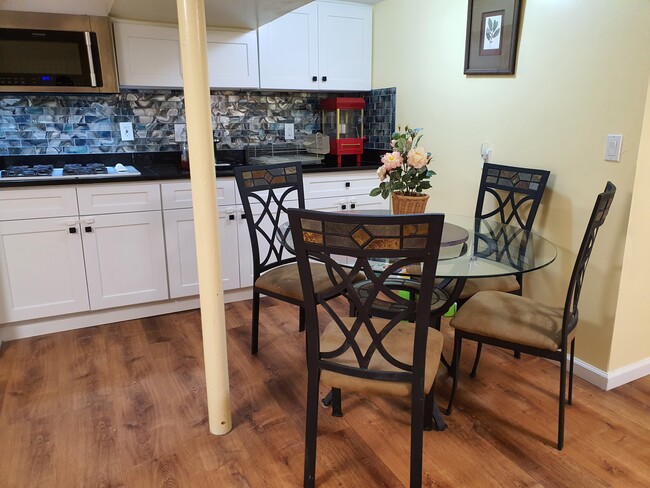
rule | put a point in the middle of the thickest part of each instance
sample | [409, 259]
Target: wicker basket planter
[402, 204]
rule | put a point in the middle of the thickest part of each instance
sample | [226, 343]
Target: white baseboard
[37, 327]
[612, 379]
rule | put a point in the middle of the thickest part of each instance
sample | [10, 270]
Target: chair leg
[301, 319]
[560, 427]
[517, 354]
[432, 416]
[458, 341]
[256, 322]
[573, 349]
[327, 400]
[479, 348]
[311, 430]
[417, 419]
[336, 403]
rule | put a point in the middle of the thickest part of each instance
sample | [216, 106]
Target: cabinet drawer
[340, 184]
[37, 203]
[179, 194]
[115, 198]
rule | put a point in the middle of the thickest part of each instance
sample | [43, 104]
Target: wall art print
[492, 36]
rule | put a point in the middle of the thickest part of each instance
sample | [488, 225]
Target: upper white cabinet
[149, 56]
[323, 46]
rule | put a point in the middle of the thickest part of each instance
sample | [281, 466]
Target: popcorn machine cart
[342, 120]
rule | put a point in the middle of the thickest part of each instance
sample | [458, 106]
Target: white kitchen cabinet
[112, 255]
[232, 59]
[321, 46]
[181, 244]
[41, 268]
[125, 258]
[149, 56]
[341, 185]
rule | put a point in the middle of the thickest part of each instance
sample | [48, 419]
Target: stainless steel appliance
[69, 171]
[56, 53]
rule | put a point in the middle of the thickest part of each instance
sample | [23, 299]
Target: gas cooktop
[68, 171]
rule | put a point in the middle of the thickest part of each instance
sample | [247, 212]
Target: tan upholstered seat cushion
[511, 318]
[285, 280]
[399, 343]
[506, 284]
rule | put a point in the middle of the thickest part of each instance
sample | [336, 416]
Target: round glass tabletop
[477, 248]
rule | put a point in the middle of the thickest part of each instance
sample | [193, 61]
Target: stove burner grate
[36, 170]
[85, 169]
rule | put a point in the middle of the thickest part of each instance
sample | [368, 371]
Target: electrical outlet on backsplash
[80, 124]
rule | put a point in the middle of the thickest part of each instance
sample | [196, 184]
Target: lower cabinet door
[125, 259]
[41, 269]
[181, 251]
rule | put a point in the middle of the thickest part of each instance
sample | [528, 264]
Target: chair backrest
[517, 193]
[266, 192]
[597, 219]
[408, 240]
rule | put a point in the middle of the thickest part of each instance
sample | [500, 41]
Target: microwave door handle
[91, 64]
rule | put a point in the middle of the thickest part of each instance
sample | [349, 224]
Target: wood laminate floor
[124, 405]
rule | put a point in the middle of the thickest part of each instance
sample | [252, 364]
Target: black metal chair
[521, 324]
[266, 193]
[366, 353]
[510, 195]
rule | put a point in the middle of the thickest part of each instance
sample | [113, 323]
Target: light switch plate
[126, 129]
[613, 147]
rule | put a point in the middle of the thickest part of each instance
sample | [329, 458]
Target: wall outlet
[178, 132]
[288, 132]
[126, 129]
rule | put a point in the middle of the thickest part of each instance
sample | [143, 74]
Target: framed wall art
[492, 37]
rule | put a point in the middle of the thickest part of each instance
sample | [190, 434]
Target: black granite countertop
[159, 166]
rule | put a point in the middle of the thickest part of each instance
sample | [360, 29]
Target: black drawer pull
[72, 230]
[242, 216]
[231, 217]
[314, 78]
[347, 184]
[343, 207]
[353, 206]
[324, 78]
[88, 229]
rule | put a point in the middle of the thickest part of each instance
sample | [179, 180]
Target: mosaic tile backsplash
[75, 124]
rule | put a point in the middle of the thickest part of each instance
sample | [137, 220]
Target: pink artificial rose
[381, 173]
[392, 160]
[417, 157]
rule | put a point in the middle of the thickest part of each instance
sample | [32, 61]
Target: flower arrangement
[404, 170]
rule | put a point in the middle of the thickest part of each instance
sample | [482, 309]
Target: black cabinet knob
[343, 207]
[353, 206]
[231, 217]
[314, 78]
[88, 229]
[347, 184]
[242, 216]
[72, 230]
[324, 78]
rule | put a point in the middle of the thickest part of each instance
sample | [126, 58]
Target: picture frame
[492, 37]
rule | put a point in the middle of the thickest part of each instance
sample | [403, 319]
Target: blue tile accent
[51, 124]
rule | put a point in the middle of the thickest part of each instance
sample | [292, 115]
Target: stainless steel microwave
[53, 56]
[49, 58]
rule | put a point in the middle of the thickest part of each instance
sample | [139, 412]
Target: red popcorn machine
[342, 121]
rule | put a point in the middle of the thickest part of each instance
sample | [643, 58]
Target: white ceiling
[248, 14]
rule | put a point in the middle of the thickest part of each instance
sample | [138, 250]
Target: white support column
[193, 44]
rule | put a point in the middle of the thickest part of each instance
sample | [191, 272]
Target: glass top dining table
[475, 248]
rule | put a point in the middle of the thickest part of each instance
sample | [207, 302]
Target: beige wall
[631, 341]
[582, 72]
